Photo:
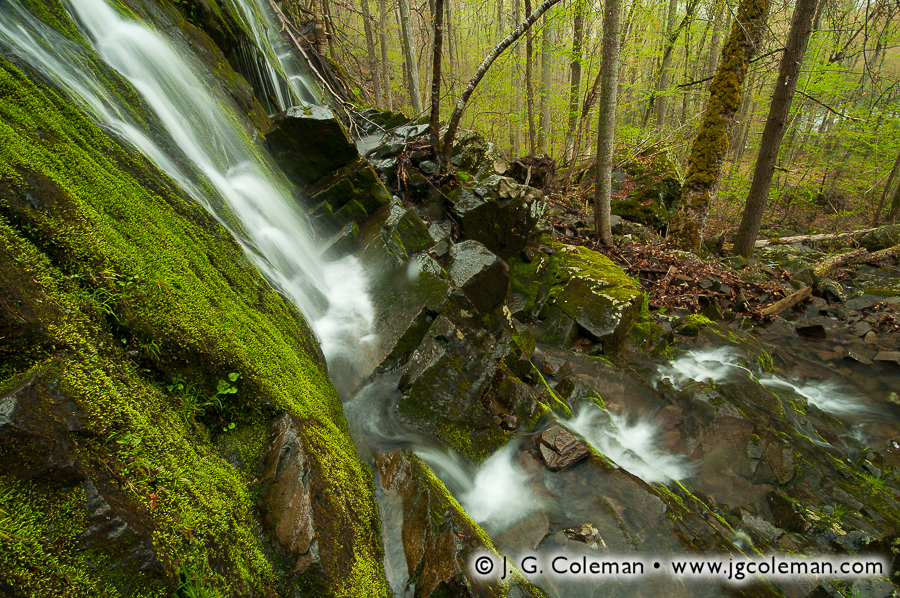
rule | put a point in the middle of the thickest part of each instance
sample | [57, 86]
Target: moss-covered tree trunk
[711, 144]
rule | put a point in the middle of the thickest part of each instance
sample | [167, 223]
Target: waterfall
[207, 131]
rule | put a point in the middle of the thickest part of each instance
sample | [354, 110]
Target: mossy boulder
[882, 237]
[575, 291]
[499, 213]
[479, 274]
[656, 196]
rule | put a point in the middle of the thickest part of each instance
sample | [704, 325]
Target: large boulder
[452, 382]
[574, 291]
[479, 274]
[315, 151]
[499, 213]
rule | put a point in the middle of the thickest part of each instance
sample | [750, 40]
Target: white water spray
[632, 444]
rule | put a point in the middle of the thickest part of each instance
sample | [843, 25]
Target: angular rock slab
[499, 213]
[479, 274]
[559, 448]
[448, 377]
[576, 290]
[309, 143]
[438, 537]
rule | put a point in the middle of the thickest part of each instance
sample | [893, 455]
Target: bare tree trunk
[662, 101]
[436, 77]
[453, 125]
[773, 134]
[893, 215]
[887, 188]
[515, 130]
[721, 8]
[666, 59]
[370, 50]
[529, 86]
[385, 65]
[320, 39]
[409, 51]
[546, 71]
[574, 79]
[606, 127]
[688, 224]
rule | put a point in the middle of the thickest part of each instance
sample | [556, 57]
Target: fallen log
[788, 302]
[818, 237]
[860, 256]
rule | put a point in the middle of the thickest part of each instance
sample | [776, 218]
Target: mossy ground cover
[132, 285]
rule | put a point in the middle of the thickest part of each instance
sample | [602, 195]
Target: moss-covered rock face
[576, 291]
[141, 315]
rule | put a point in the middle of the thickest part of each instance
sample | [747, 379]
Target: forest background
[836, 167]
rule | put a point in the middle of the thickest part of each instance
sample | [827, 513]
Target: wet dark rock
[449, 375]
[37, 426]
[811, 330]
[586, 533]
[891, 357]
[861, 303]
[559, 448]
[309, 143]
[428, 167]
[438, 538]
[481, 275]
[114, 527]
[499, 213]
[287, 506]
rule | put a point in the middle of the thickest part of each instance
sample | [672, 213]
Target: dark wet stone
[428, 167]
[37, 424]
[499, 213]
[811, 330]
[892, 357]
[560, 449]
[309, 143]
[479, 274]
[861, 303]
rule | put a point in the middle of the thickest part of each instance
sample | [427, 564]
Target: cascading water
[206, 130]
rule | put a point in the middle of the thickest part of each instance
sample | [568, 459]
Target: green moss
[107, 217]
[557, 405]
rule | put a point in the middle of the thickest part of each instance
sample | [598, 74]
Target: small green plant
[197, 582]
[194, 405]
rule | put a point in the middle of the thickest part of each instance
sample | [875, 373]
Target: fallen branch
[788, 302]
[819, 237]
[860, 256]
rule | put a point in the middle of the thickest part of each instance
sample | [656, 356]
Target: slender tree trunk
[320, 39]
[510, 39]
[666, 60]
[894, 213]
[606, 127]
[662, 100]
[529, 85]
[409, 51]
[515, 130]
[887, 188]
[546, 72]
[773, 134]
[721, 8]
[688, 224]
[451, 45]
[373, 58]
[436, 77]
[574, 78]
[385, 65]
